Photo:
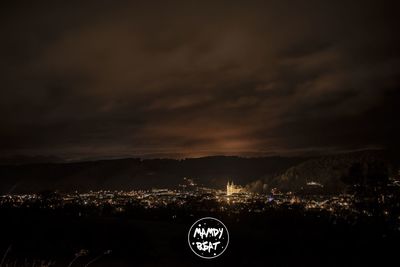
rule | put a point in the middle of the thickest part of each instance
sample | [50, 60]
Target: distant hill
[262, 173]
[332, 171]
[133, 173]
[21, 160]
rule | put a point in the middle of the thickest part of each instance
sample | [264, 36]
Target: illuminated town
[189, 198]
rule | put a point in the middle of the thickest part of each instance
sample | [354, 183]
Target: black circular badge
[208, 238]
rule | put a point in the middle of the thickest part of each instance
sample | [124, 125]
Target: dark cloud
[190, 79]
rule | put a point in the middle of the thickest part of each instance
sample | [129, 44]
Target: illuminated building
[231, 188]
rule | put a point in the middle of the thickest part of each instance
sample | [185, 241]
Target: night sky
[188, 79]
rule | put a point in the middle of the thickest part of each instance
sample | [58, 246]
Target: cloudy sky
[196, 78]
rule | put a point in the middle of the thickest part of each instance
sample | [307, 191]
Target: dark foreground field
[272, 239]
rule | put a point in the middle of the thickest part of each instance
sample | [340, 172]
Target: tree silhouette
[354, 176]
